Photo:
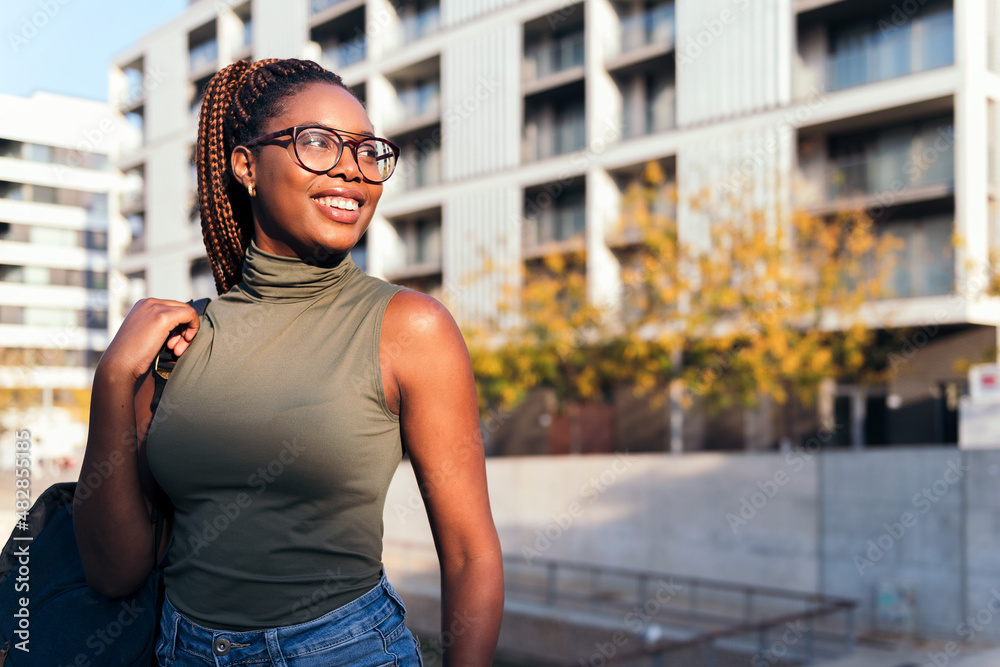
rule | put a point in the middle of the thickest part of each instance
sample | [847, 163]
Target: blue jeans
[368, 632]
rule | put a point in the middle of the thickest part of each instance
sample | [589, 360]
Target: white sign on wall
[984, 383]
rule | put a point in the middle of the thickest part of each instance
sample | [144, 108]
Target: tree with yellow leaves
[770, 306]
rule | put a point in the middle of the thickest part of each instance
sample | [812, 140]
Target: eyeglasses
[318, 149]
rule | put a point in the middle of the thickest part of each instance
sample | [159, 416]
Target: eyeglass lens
[320, 150]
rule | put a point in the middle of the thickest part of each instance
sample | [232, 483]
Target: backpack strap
[163, 364]
[165, 361]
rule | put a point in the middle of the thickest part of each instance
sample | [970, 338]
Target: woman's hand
[141, 335]
[112, 505]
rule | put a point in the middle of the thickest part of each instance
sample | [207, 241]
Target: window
[925, 262]
[203, 48]
[554, 213]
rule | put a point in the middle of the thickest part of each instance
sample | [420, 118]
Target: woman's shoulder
[415, 314]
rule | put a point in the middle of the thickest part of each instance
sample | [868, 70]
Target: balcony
[555, 219]
[418, 253]
[649, 103]
[651, 118]
[133, 199]
[924, 260]
[338, 55]
[421, 170]
[416, 106]
[548, 58]
[556, 225]
[133, 94]
[868, 56]
[647, 201]
[246, 36]
[203, 56]
[915, 164]
[420, 25]
[551, 132]
[420, 161]
[137, 228]
[651, 27]
[425, 99]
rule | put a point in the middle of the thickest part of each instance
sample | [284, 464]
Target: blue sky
[65, 46]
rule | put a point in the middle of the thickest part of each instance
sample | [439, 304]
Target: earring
[251, 191]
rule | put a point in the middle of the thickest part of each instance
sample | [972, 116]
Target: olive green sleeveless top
[274, 441]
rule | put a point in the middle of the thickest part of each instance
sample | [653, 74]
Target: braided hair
[239, 99]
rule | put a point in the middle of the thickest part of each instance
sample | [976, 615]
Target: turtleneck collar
[280, 279]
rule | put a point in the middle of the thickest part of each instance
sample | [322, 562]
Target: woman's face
[298, 213]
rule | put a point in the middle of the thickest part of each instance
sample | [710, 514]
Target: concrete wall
[794, 520]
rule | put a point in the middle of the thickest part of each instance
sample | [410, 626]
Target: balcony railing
[549, 58]
[920, 45]
[890, 172]
[655, 26]
[421, 24]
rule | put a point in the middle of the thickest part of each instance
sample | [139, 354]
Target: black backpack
[49, 616]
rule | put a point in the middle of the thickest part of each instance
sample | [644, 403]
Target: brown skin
[426, 375]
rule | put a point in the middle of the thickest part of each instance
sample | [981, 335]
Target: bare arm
[430, 381]
[113, 496]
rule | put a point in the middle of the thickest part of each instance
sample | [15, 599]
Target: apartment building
[522, 125]
[58, 197]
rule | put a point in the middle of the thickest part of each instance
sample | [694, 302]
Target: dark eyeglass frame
[353, 144]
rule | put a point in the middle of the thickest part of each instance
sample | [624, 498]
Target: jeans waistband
[217, 646]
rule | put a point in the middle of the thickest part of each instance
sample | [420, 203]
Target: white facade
[522, 122]
[58, 192]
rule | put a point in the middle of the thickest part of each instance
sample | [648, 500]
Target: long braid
[238, 100]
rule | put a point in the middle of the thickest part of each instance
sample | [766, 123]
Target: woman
[289, 407]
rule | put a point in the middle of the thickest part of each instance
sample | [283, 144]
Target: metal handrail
[823, 606]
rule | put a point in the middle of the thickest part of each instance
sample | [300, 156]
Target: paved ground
[928, 655]
[931, 655]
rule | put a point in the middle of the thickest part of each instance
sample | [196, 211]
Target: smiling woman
[305, 373]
